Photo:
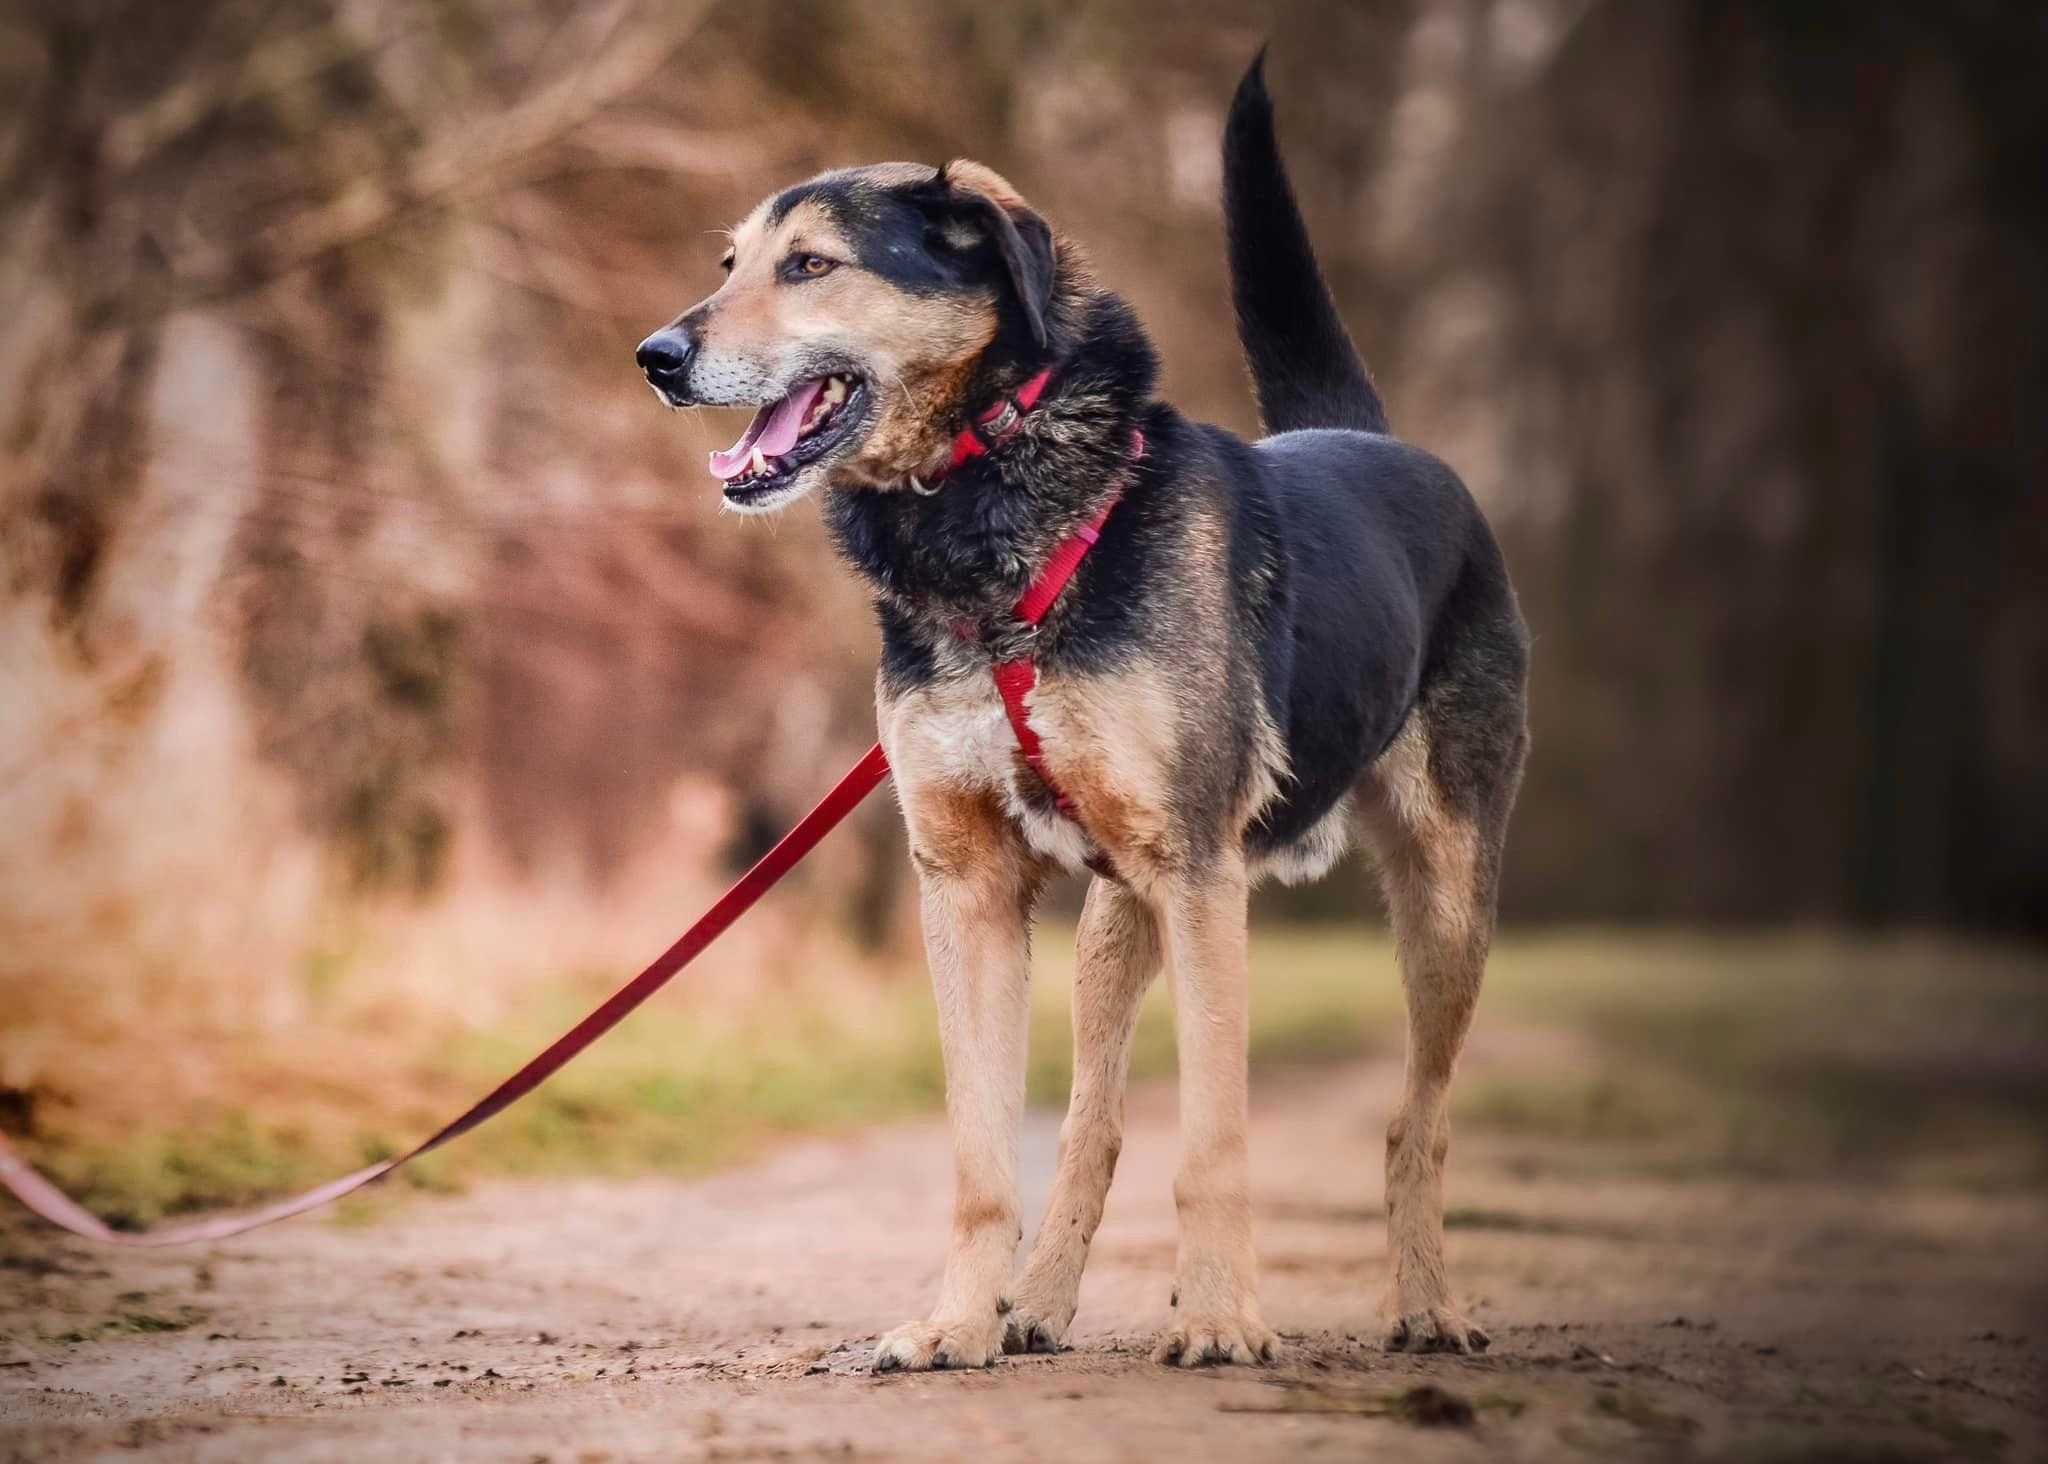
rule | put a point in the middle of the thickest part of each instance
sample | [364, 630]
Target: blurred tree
[314, 390]
[1777, 317]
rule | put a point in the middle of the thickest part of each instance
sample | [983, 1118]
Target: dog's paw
[924, 1346]
[1436, 1329]
[1036, 1316]
[1027, 1330]
[1194, 1341]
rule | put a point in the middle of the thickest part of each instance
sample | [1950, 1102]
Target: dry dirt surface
[1632, 1317]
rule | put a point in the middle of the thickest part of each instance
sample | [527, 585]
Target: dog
[1268, 647]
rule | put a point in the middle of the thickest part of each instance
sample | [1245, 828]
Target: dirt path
[726, 1319]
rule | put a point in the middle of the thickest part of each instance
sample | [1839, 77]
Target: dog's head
[857, 309]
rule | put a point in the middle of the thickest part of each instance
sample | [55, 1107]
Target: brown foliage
[334, 518]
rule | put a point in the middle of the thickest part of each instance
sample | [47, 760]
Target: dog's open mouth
[785, 435]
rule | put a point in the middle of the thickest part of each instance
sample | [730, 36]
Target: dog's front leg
[1215, 1297]
[1119, 956]
[978, 886]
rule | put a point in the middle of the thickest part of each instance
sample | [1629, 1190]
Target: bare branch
[480, 157]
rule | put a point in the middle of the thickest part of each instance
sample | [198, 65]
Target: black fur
[1304, 367]
[900, 234]
[1022, 242]
[1358, 579]
[969, 550]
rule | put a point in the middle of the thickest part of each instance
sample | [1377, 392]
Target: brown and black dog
[1272, 645]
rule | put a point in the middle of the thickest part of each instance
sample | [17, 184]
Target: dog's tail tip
[1251, 87]
[1251, 104]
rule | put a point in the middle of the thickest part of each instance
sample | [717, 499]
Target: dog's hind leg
[978, 886]
[1435, 810]
[1119, 956]
[1202, 914]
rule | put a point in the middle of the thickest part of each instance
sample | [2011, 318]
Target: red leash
[60, 1209]
[1014, 680]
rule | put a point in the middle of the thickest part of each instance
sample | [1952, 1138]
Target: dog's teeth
[759, 463]
[835, 389]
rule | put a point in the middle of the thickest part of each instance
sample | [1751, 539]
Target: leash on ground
[46, 1200]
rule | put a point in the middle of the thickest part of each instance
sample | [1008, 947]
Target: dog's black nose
[665, 356]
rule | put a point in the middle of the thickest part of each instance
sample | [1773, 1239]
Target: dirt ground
[1632, 1316]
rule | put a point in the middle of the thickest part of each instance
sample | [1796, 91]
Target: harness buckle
[1000, 426]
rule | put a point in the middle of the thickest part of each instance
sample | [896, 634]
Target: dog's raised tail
[1304, 368]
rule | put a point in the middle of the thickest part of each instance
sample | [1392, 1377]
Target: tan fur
[1430, 867]
[1208, 541]
[1119, 954]
[1110, 743]
[1216, 1316]
[917, 351]
[977, 882]
[982, 179]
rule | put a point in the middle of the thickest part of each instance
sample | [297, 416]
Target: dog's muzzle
[666, 356]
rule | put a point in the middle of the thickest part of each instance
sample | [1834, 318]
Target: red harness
[1015, 678]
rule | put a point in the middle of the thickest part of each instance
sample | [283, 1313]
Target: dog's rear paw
[1197, 1340]
[1436, 1329]
[924, 1346]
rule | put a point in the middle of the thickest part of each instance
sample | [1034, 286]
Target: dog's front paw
[923, 1346]
[1435, 1329]
[1036, 1318]
[1197, 1339]
[1026, 1329]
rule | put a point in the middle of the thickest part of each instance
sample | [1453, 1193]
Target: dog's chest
[1108, 743]
[956, 735]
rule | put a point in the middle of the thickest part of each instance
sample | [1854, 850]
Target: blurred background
[378, 679]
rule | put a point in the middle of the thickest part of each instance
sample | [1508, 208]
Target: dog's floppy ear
[984, 199]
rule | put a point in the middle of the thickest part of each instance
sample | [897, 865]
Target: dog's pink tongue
[789, 415]
[772, 432]
[733, 461]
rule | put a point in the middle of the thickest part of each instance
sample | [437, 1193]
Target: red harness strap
[1016, 678]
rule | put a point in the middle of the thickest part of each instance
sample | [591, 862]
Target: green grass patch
[1779, 1055]
[1752, 1054]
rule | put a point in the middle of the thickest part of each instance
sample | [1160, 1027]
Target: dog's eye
[726, 263]
[809, 266]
